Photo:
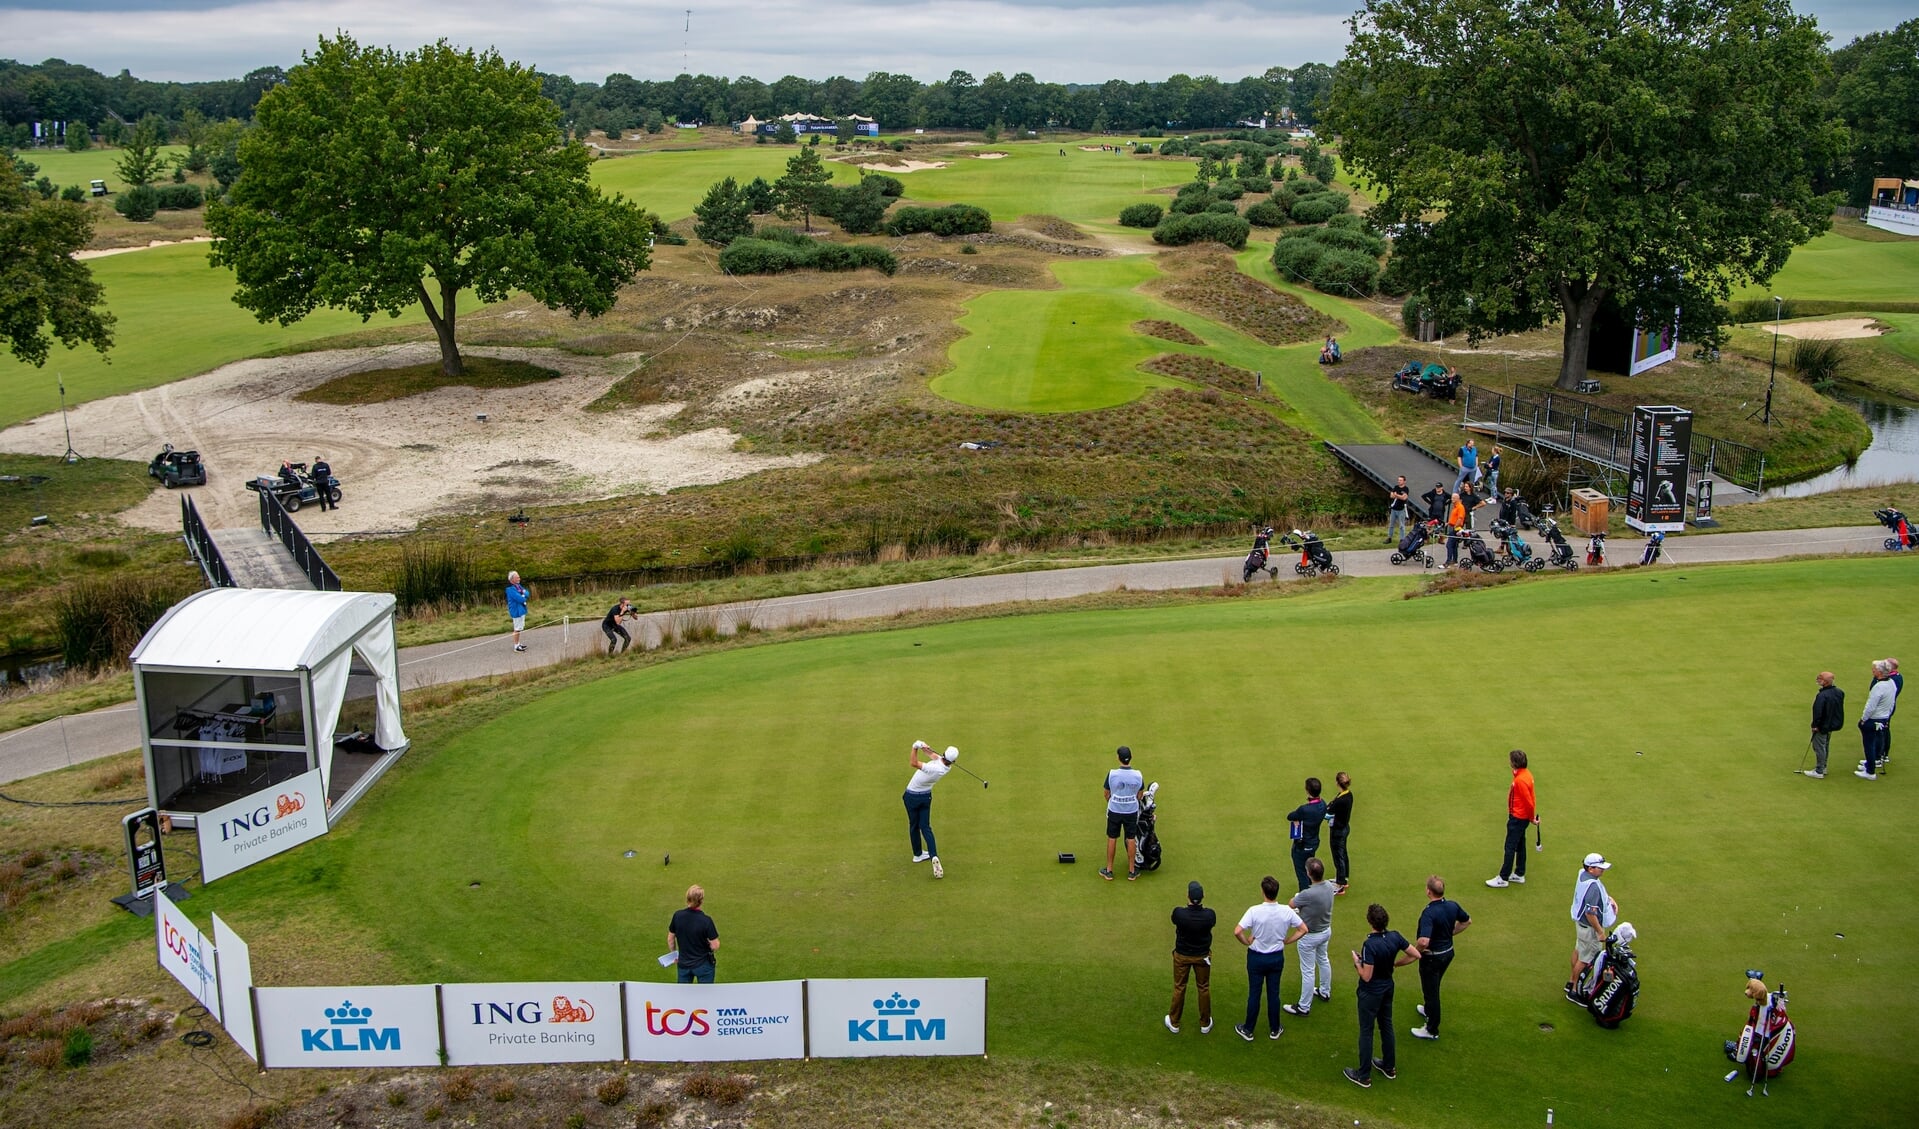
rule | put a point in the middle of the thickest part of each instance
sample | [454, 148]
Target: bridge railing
[276, 521]
[200, 543]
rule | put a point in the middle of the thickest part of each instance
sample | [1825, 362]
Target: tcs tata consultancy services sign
[555, 1021]
[715, 1022]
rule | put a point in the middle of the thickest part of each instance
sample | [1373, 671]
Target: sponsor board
[871, 1018]
[186, 954]
[262, 825]
[1661, 454]
[715, 1022]
[553, 1021]
[361, 1026]
[236, 986]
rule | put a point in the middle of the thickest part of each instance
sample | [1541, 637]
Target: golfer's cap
[1195, 892]
[1598, 860]
[951, 754]
[1125, 755]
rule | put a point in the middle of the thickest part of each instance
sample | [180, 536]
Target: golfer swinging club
[919, 799]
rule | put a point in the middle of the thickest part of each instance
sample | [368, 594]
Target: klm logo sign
[349, 1028]
[896, 1022]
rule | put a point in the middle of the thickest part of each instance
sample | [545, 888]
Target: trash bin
[1591, 511]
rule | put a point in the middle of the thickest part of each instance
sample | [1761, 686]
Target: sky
[1085, 41]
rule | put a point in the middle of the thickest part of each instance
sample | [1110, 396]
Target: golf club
[971, 773]
[1802, 758]
[1539, 838]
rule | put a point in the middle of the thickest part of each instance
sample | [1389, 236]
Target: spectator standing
[693, 935]
[1898, 687]
[1398, 501]
[516, 607]
[1468, 464]
[1441, 921]
[1122, 812]
[1339, 821]
[1193, 955]
[1437, 500]
[322, 475]
[1521, 809]
[919, 800]
[1828, 714]
[1314, 905]
[1305, 821]
[1875, 718]
[1375, 960]
[1492, 473]
[1266, 929]
[1594, 912]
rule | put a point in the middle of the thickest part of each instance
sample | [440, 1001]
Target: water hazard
[1893, 455]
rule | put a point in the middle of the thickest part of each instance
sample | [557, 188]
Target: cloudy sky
[1055, 40]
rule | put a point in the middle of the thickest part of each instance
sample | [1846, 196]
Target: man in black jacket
[1192, 955]
[1437, 500]
[1339, 816]
[322, 475]
[1305, 820]
[1828, 715]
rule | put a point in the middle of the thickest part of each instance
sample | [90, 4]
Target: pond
[1892, 456]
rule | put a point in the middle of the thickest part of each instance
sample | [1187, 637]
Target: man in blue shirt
[1441, 921]
[1375, 960]
[516, 607]
[1123, 785]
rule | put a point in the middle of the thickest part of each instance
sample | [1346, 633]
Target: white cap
[1598, 860]
[951, 754]
[921, 745]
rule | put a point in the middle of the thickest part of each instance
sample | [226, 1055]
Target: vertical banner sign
[714, 1022]
[186, 954]
[145, 856]
[262, 825]
[870, 1018]
[1702, 503]
[1661, 451]
[567, 1021]
[349, 1026]
[236, 986]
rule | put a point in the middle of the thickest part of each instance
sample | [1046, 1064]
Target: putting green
[1836, 268]
[772, 776]
[1033, 179]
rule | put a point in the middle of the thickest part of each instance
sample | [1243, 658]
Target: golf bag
[1412, 547]
[1561, 554]
[1596, 549]
[1314, 557]
[1517, 552]
[1146, 847]
[1256, 560]
[1653, 541]
[1903, 537]
[1765, 1046]
[1610, 987]
[1477, 554]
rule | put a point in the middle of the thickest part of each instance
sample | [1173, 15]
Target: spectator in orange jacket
[1520, 810]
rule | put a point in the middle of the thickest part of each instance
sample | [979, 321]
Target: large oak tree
[1545, 156]
[374, 180]
[45, 293]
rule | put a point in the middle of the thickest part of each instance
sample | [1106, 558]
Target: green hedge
[783, 252]
[178, 197]
[1330, 259]
[1141, 215]
[1207, 227]
[1266, 214]
[1319, 208]
[953, 219]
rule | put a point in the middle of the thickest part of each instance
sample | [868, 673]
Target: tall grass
[1820, 362]
[100, 621]
[436, 575]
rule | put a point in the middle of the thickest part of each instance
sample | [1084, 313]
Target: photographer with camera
[617, 639]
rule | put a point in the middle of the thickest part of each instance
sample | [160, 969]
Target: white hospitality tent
[239, 689]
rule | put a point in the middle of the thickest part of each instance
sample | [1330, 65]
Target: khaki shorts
[1589, 943]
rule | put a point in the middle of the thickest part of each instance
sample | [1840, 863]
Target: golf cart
[1433, 380]
[297, 491]
[178, 468]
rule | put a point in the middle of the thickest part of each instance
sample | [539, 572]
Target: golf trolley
[1412, 547]
[1513, 548]
[1561, 552]
[1314, 557]
[1256, 560]
[1477, 554]
[1902, 538]
[1146, 847]
[1610, 987]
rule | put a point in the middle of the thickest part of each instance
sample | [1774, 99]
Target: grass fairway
[1662, 712]
[671, 183]
[1033, 179]
[176, 319]
[64, 168]
[1838, 268]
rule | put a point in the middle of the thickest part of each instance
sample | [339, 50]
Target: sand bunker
[1837, 329]
[405, 459]
[988, 156]
[101, 254]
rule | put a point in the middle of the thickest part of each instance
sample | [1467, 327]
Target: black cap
[1125, 755]
[1196, 893]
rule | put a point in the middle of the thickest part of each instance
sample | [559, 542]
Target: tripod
[72, 456]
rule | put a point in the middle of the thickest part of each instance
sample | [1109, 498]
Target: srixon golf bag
[1610, 987]
[1765, 1046]
[1146, 847]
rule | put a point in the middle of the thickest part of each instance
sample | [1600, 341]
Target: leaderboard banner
[548, 1021]
[716, 1022]
[871, 1018]
[186, 954]
[359, 1026]
[257, 827]
[1661, 452]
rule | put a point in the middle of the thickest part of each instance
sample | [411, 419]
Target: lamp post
[1774, 370]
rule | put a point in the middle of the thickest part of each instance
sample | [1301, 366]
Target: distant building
[810, 123]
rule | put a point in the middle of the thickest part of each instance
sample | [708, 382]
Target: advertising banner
[870, 1018]
[236, 986]
[715, 1022]
[186, 954]
[145, 855]
[358, 1026]
[1653, 346]
[262, 825]
[1661, 451]
[552, 1021]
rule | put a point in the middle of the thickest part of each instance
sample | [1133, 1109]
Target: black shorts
[1116, 821]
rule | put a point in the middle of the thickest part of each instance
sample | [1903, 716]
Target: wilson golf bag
[1146, 847]
[1610, 987]
[1561, 554]
[1765, 1046]
[1256, 560]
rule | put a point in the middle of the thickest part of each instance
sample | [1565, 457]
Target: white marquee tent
[241, 688]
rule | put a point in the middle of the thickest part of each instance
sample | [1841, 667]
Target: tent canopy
[260, 628]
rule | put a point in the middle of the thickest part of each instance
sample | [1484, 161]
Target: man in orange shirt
[1520, 810]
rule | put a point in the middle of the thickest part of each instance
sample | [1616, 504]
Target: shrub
[439, 575]
[792, 251]
[1351, 239]
[1819, 362]
[1342, 270]
[889, 186]
[73, 194]
[858, 209]
[78, 1050]
[1393, 277]
[953, 219]
[138, 204]
[1173, 148]
[1295, 256]
[1754, 310]
[1223, 208]
[1256, 183]
[720, 1089]
[1141, 215]
[1142, 149]
[179, 197]
[613, 1090]
[1210, 227]
[1317, 209]
[1193, 188]
[1190, 204]
[1228, 190]
[100, 620]
[1266, 214]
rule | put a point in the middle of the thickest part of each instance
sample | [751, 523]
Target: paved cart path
[78, 738]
